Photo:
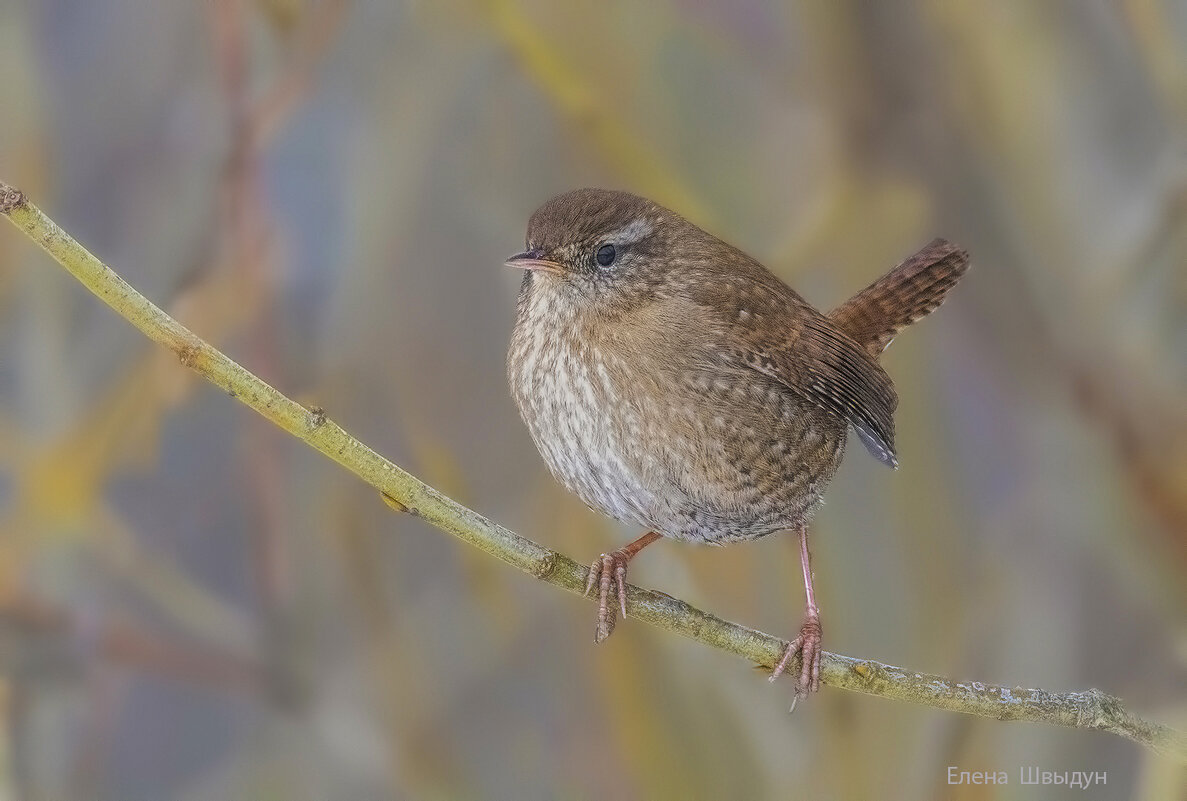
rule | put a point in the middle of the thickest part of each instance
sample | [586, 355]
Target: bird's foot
[607, 572]
[807, 644]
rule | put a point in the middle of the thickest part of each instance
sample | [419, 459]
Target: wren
[674, 383]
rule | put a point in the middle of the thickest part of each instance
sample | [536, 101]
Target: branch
[1091, 709]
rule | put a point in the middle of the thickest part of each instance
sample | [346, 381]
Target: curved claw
[594, 570]
[807, 644]
[793, 648]
[608, 573]
[795, 699]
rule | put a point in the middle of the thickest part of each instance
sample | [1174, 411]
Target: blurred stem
[124, 643]
[549, 66]
[1091, 709]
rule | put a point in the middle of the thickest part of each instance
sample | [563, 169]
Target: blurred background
[195, 606]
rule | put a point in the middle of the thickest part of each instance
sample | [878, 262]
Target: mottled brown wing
[828, 368]
[771, 329]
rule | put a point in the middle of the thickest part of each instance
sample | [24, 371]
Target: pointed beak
[532, 260]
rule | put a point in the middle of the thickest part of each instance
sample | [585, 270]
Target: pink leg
[807, 644]
[608, 570]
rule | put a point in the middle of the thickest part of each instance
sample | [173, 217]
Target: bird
[673, 383]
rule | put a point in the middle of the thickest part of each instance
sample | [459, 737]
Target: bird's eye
[605, 255]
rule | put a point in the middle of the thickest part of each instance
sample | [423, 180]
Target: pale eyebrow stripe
[632, 232]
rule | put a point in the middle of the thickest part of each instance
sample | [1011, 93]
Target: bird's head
[600, 247]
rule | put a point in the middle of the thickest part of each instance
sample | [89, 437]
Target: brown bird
[673, 382]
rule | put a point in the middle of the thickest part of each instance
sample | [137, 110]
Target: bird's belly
[681, 468]
[583, 437]
[751, 474]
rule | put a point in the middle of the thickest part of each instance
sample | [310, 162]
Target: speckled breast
[574, 418]
[692, 454]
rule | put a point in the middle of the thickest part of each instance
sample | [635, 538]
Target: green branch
[1091, 709]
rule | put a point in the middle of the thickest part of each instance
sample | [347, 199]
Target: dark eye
[605, 255]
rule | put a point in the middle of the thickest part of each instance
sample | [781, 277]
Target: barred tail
[907, 293]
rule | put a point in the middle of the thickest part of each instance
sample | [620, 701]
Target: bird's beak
[531, 260]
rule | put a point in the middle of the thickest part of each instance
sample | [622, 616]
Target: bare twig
[1090, 709]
